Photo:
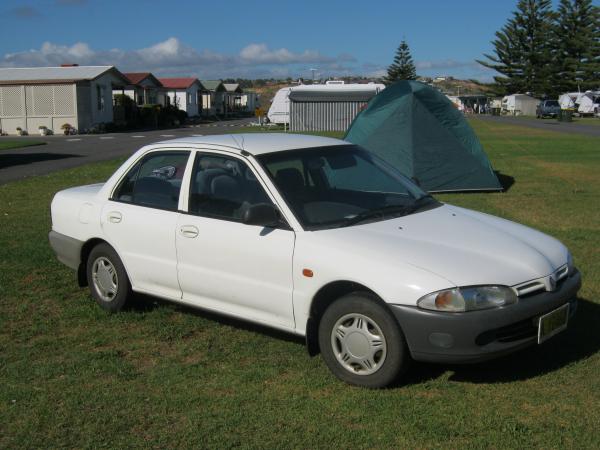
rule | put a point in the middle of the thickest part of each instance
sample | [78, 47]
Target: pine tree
[523, 50]
[403, 67]
[577, 43]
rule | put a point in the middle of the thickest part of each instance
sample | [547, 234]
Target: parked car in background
[547, 108]
[320, 238]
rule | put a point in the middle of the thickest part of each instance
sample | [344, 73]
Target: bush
[123, 100]
[158, 116]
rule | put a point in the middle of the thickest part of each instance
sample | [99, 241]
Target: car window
[350, 172]
[223, 188]
[155, 181]
[334, 186]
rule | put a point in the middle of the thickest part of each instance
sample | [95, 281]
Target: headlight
[468, 299]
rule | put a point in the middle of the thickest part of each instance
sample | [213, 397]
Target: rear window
[155, 181]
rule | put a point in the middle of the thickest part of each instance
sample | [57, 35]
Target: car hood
[463, 246]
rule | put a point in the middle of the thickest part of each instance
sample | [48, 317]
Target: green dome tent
[418, 130]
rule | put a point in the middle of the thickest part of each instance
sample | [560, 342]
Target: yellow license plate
[552, 323]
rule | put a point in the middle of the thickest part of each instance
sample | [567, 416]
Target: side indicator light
[307, 273]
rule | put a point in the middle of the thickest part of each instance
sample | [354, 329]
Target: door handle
[189, 231]
[114, 217]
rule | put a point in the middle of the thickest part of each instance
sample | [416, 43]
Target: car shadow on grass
[578, 342]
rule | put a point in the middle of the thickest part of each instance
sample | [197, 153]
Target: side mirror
[262, 214]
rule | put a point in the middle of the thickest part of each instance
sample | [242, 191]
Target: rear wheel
[361, 342]
[107, 279]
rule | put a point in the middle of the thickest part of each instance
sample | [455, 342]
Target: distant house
[249, 101]
[213, 98]
[233, 97]
[237, 100]
[143, 88]
[185, 93]
[53, 96]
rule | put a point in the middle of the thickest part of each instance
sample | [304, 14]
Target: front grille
[542, 284]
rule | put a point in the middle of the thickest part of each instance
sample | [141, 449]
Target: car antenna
[240, 144]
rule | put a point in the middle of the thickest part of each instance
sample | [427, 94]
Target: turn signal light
[307, 273]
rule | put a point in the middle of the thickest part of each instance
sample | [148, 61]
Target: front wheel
[361, 342]
[107, 278]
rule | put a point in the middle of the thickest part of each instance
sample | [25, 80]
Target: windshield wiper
[398, 210]
[371, 213]
[419, 203]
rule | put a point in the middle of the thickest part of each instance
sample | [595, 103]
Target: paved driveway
[547, 124]
[63, 152]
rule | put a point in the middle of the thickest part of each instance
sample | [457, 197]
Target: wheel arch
[324, 297]
[85, 253]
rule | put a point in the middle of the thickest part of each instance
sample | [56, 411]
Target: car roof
[258, 143]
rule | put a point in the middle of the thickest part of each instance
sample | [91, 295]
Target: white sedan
[320, 238]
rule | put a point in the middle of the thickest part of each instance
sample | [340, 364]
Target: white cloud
[260, 53]
[172, 57]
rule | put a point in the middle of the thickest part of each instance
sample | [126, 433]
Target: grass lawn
[162, 376]
[592, 121]
[6, 144]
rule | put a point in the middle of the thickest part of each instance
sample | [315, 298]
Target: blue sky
[232, 38]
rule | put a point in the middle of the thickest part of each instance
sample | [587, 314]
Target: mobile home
[519, 105]
[51, 97]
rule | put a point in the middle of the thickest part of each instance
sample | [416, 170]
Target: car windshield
[343, 185]
[552, 103]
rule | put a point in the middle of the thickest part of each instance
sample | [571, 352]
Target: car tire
[107, 278]
[361, 341]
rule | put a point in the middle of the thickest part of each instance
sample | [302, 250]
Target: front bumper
[480, 335]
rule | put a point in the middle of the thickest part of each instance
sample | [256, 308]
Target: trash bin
[565, 115]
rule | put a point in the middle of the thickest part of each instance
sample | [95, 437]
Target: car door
[140, 220]
[224, 264]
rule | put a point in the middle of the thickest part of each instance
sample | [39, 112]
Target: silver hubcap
[358, 344]
[105, 279]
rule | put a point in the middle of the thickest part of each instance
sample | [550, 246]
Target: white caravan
[570, 100]
[589, 103]
[519, 105]
[279, 112]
